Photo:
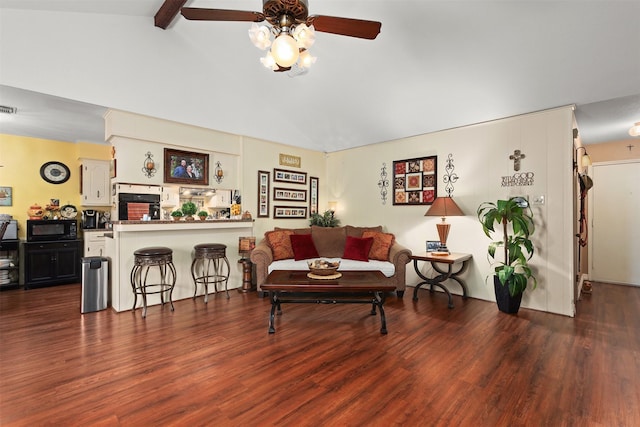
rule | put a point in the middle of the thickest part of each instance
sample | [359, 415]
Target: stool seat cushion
[153, 251]
[210, 246]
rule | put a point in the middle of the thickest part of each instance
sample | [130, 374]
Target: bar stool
[208, 267]
[144, 259]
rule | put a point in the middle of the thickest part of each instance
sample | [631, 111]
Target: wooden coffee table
[354, 287]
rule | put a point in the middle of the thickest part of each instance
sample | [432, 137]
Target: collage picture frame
[292, 177]
[289, 194]
[314, 185]
[263, 194]
[290, 212]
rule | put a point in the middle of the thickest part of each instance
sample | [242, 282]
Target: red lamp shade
[443, 207]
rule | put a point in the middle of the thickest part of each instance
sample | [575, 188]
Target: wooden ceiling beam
[168, 11]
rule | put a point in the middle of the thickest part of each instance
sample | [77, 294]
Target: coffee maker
[90, 219]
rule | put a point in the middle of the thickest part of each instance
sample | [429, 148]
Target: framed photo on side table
[263, 194]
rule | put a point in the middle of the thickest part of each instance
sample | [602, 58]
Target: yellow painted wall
[22, 157]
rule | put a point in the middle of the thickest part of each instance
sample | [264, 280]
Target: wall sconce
[585, 160]
[218, 173]
[635, 129]
[149, 167]
[333, 206]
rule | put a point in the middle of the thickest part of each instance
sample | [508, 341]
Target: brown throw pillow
[280, 244]
[357, 231]
[382, 243]
[329, 241]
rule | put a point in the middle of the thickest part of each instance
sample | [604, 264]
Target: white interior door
[614, 206]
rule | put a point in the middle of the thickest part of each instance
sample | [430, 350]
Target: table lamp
[443, 207]
[245, 246]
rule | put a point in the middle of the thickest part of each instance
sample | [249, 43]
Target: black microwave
[39, 230]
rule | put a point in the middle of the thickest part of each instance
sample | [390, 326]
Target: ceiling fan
[291, 27]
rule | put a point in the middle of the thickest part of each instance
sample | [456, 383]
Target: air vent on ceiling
[8, 110]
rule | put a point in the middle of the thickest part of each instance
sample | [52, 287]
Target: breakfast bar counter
[125, 237]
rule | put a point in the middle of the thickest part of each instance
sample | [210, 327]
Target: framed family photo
[289, 212]
[263, 194]
[186, 167]
[289, 194]
[293, 177]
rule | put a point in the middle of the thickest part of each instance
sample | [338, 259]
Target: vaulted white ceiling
[435, 65]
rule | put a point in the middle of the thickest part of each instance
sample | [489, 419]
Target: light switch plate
[538, 200]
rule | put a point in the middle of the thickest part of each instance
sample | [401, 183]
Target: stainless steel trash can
[95, 284]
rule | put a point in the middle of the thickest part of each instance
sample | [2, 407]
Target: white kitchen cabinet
[95, 182]
[170, 196]
[94, 242]
[222, 199]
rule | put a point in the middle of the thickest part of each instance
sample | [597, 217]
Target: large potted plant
[510, 255]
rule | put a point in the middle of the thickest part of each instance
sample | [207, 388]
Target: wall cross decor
[516, 156]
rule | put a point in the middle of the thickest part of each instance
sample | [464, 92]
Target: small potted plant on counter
[189, 209]
[203, 215]
[176, 215]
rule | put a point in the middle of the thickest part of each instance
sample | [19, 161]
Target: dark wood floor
[327, 365]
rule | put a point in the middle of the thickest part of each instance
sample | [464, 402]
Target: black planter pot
[506, 303]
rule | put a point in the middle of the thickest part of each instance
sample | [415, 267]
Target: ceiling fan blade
[345, 26]
[199, 14]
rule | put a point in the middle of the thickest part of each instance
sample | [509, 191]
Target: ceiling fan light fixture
[260, 36]
[269, 62]
[304, 35]
[285, 50]
[635, 129]
[306, 60]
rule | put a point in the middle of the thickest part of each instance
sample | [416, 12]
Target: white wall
[481, 158]
[133, 135]
[264, 155]
[480, 155]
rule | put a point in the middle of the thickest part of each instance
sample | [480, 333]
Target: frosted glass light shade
[269, 62]
[260, 36]
[635, 129]
[306, 60]
[285, 50]
[305, 36]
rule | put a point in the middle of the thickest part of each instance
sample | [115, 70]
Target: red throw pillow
[280, 244]
[357, 248]
[303, 247]
[382, 243]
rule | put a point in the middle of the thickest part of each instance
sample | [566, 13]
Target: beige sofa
[387, 255]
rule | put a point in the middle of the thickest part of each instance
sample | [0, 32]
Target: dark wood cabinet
[9, 261]
[51, 263]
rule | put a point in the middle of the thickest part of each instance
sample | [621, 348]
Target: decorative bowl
[322, 267]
